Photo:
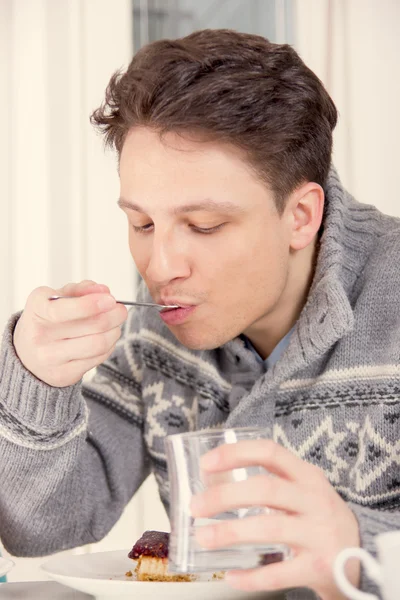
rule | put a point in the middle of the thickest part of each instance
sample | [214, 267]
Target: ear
[305, 210]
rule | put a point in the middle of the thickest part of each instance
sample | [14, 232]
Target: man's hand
[60, 340]
[315, 522]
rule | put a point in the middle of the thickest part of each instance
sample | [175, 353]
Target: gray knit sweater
[71, 458]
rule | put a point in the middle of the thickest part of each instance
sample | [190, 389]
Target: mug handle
[372, 568]
[5, 566]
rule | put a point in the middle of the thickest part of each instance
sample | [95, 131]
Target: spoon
[159, 307]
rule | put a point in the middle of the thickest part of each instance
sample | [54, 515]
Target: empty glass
[187, 479]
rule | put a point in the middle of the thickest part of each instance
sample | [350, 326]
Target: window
[157, 19]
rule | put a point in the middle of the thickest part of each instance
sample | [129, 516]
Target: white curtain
[58, 189]
[354, 47]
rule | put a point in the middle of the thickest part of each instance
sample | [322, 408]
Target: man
[289, 317]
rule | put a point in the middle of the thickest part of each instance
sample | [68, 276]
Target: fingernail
[106, 302]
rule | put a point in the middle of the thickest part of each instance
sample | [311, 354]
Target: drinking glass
[186, 479]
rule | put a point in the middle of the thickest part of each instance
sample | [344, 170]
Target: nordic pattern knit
[332, 398]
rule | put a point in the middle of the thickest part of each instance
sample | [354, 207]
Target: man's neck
[268, 331]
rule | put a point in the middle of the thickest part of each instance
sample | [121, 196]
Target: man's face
[204, 233]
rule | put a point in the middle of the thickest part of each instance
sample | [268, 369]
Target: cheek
[226, 269]
[139, 253]
[260, 264]
[260, 253]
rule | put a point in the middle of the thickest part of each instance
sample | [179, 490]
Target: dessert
[151, 554]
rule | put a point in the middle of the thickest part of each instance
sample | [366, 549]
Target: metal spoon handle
[149, 304]
[128, 303]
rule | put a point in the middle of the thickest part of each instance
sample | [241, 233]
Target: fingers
[264, 529]
[92, 325]
[265, 453]
[83, 348]
[259, 490]
[75, 369]
[54, 337]
[87, 299]
[290, 573]
[70, 309]
[84, 287]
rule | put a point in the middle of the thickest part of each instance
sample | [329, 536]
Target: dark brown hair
[234, 87]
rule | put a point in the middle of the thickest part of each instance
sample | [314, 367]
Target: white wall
[354, 47]
[58, 216]
[58, 190]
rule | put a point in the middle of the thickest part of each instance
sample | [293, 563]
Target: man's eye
[142, 228]
[150, 226]
[207, 229]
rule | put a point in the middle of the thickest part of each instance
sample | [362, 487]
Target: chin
[198, 341]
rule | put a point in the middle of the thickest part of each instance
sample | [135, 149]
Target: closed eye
[204, 230]
[207, 230]
[143, 228]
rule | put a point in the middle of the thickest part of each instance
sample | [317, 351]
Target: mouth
[174, 303]
[173, 306]
[176, 316]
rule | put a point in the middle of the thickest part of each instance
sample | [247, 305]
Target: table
[50, 590]
[40, 590]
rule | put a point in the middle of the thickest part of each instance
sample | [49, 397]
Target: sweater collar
[327, 315]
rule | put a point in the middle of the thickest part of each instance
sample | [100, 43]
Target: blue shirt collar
[276, 352]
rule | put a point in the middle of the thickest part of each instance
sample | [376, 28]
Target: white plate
[102, 574]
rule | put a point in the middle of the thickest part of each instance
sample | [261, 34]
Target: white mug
[385, 571]
[5, 566]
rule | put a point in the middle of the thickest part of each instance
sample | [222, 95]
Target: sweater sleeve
[373, 522]
[70, 458]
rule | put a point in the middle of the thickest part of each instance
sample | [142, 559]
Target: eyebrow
[206, 205]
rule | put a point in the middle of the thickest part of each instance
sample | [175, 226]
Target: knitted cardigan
[71, 458]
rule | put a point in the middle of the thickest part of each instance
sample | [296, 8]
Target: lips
[177, 316]
[174, 302]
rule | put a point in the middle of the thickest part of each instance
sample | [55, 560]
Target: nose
[168, 259]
